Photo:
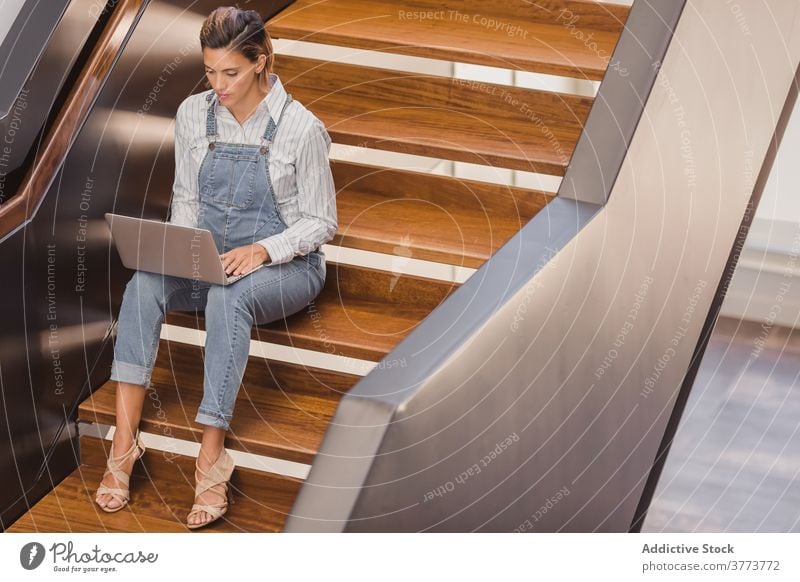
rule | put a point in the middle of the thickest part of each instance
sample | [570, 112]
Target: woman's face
[231, 75]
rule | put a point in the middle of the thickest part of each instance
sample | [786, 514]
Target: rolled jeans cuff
[130, 373]
[210, 419]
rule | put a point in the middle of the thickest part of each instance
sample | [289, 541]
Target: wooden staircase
[284, 408]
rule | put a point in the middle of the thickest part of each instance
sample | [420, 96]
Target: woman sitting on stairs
[252, 167]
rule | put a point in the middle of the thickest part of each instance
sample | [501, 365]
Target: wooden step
[425, 216]
[361, 313]
[282, 409]
[572, 38]
[441, 117]
[162, 493]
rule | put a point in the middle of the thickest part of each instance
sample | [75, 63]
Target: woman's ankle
[208, 456]
[122, 440]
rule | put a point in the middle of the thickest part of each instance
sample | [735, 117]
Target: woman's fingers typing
[239, 260]
[233, 262]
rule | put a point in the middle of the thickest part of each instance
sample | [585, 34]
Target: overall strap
[269, 132]
[211, 121]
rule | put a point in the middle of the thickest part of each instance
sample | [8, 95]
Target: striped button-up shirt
[299, 168]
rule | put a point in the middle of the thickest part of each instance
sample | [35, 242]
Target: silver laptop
[169, 249]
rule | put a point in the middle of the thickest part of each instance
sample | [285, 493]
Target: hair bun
[254, 16]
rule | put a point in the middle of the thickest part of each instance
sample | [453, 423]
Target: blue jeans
[266, 295]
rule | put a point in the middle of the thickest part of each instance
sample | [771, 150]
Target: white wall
[765, 285]
[780, 201]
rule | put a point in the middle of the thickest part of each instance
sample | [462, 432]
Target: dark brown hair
[242, 30]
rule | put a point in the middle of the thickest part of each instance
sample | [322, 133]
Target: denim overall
[238, 206]
[232, 204]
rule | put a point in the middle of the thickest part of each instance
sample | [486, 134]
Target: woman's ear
[262, 61]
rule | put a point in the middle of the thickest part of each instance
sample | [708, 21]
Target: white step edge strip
[261, 349]
[402, 265]
[172, 445]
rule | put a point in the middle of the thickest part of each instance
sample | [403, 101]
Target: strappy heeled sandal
[219, 474]
[113, 466]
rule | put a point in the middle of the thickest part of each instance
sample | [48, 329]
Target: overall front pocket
[233, 180]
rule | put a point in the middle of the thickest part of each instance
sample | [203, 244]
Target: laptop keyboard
[233, 278]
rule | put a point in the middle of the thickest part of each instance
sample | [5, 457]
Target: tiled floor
[735, 462]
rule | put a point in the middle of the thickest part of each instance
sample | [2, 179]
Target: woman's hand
[243, 259]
